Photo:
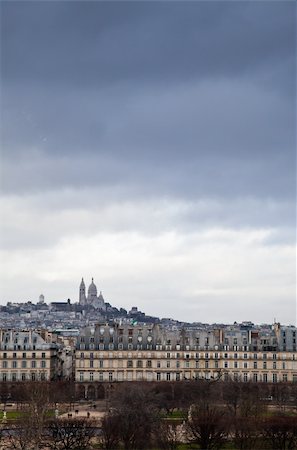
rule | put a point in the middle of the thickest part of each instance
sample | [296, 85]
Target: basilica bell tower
[82, 293]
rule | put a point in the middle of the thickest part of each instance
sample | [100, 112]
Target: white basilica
[92, 299]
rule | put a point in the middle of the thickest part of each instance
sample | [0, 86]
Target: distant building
[25, 355]
[91, 299]
[126, 352]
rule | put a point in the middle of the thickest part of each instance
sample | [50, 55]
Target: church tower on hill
[82, 293]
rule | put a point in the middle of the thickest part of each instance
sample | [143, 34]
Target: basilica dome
[92, 291]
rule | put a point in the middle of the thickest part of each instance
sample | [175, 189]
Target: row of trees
[211, 416]
[168, 395]
[159, 415]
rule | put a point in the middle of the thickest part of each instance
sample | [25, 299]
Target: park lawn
[176, 415]
[12, 415]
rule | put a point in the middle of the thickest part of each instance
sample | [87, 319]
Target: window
[24, 355]
[168, 364]
[245, 377]
[274, 378]
[13, 376]
[226, 364]
[245, 365]
[101, 365]
[33, 355]
[274, 365]
[149, 363]
[33, 364]
[255, 364]
[43, 355]
[43, 364]
[264, 365]
[168, 376]
[216, 364]
[129, 363]
[274, 356]
[91, 355]
[255, 356]
[265, 378]
[245, 355]
[81, 376]
[158, 364]
[235, 355]
[110, 376]
[24, 364]
[206, 364]
[23, 376]
[158, 376]
[14, 364]
[255, 377]
[235, 365]
[100, 376]
[177, 364]
[91, 376]
[91, 363]
[33, 376]
[285, 377]
[4, 355]
[14, 355]
[139, 364]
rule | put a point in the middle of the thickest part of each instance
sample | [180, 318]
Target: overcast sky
[151, 145]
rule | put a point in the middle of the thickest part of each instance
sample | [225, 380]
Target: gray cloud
[102, 43]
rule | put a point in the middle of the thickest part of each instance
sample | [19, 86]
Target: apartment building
[108, 353]
[25, 355]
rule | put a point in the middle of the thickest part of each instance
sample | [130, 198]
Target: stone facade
[25, 356]
[108, 353]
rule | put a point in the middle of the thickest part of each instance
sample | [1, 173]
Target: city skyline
[151, 146]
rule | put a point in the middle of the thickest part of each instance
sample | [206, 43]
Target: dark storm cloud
[177, 99]
[100, 43]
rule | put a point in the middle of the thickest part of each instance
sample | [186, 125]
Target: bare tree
[281, 393]
[22, 434]
[251, 404]
[110, 431]
[231, 392]
[168, 435]
[70, 434]
[280, 431]
[136, 415]
[207, 426]
[245, 432]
